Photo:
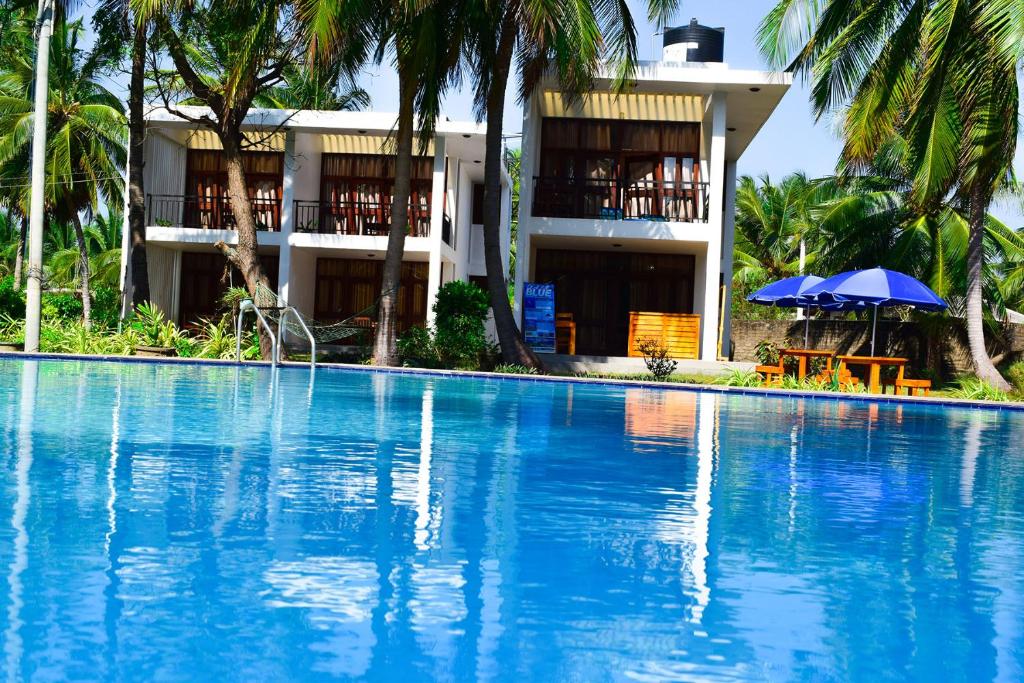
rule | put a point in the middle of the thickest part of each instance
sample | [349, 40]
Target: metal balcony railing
[355, 218]
[208, 213]
[638, 200]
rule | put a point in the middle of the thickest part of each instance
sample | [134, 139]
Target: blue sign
[539, 316]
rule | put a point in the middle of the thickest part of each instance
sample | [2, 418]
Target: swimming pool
[166, 521]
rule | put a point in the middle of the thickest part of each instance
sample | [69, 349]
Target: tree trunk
[83, 270]
[136, 189]
[385, 350]
[245, 256]
[19, 257]
[513, 348]
[983, 366]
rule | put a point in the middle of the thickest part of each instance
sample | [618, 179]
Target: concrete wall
[942, 349]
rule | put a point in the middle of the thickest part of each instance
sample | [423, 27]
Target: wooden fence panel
[678, 332]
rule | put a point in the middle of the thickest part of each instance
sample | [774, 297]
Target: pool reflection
[234, 523]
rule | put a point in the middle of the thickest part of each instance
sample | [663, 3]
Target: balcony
[356, 218]
[208, 213]
[637, 200]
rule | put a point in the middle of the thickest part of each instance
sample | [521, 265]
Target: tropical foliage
[931, 85]
[85, 155]
[830, 225]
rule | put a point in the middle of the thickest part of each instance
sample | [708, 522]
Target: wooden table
[803, 357]
[875, 364]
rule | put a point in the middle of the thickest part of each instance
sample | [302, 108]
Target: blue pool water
[177, 522]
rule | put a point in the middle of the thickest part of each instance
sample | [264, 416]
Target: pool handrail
[305, 328]
[248, 305]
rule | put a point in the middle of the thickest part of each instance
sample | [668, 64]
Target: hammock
[271, 305]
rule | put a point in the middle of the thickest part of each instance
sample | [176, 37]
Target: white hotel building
[626, 201]
[321, 191]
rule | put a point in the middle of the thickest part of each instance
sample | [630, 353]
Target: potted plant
[158, 334]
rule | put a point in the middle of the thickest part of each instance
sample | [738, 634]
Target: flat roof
[314, 121]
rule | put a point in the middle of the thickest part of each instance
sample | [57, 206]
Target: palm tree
[424, 40]
[225, 55]
[85, 153]
[116, 25]
[773, 223]
[570, 38]
[326, 90]
[941, 75]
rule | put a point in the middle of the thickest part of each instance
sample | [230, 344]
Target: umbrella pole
[874, 327]
[807, 327]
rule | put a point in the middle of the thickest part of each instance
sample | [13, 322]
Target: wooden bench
[913, 387]
[772, 373]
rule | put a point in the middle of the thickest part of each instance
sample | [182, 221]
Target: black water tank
[694, 43]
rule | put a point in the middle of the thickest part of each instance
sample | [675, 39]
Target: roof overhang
[672, 90]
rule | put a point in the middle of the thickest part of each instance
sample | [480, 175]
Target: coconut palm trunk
[983, 366]
[19, 256]
[83, 269]
[385, 350]
[245, 255]
[136, 190]
[513, 348]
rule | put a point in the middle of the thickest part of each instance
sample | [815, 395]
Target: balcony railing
[209, 213]
[355, 218]
[638, 200]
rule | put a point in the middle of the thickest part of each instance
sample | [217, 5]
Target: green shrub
[656, 359]
[460, 312]
[459, 339]
[416, 348]
[740, 378]
[1015, 373]
[149, 322]
[12, 303]
[106, 306]
[515, 369]
[977, 390]
[62, 306]
[767, 352]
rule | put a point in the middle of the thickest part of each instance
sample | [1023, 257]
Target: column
[436, 223]
[728, 242]
[284, 267]
[716, 186]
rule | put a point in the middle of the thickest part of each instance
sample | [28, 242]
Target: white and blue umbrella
[875, 287]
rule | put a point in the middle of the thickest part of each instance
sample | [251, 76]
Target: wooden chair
[773, 374]
[914, 387]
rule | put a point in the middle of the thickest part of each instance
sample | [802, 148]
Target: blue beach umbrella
[789, 293]
[875, 287]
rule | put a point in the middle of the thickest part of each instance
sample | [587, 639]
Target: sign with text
[539, 316]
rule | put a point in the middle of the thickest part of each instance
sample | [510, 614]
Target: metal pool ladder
[302, 323]
[276, 344]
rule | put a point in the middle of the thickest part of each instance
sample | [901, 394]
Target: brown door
[204, 281]
[600, 288]
[351, 287]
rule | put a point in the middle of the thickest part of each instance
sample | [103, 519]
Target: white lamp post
[34, 285]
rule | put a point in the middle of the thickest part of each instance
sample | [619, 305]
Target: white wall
[307, 167]
[302, 290]
[164, 266]
[164, 173]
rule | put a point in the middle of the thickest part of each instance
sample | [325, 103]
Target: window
[478, 204]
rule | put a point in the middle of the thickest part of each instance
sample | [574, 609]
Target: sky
[791, 140]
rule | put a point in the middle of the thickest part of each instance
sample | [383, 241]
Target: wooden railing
[355, 218]
[208, 213]
[636, 200]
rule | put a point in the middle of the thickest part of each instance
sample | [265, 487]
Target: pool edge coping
[939, 401]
